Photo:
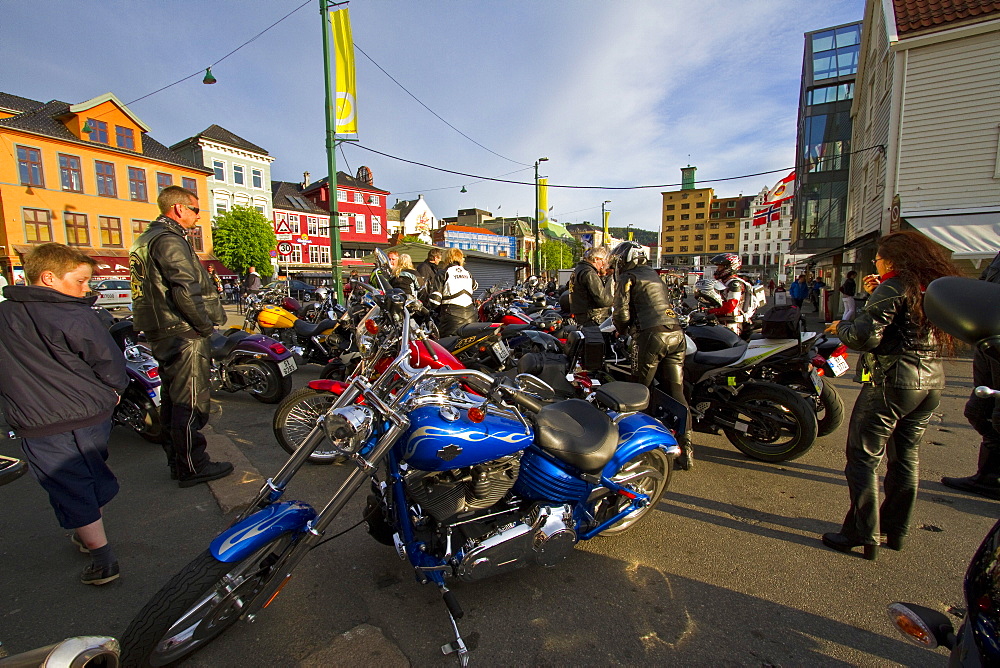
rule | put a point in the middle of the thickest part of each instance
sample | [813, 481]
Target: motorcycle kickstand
[454, 612]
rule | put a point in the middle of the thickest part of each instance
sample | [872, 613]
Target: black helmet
[538, 299]
[726, 265]
[627, 255]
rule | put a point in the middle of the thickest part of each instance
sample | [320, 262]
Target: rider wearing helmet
[643, 309]
[591, 294]
[730, 314]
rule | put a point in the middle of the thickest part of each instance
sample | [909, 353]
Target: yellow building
[696, 225]
[86, 175]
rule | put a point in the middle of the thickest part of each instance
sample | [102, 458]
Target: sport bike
[469, 477]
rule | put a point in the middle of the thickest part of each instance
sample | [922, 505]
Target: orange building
[86, 175]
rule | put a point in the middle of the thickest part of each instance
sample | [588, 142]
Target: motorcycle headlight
[348, 428]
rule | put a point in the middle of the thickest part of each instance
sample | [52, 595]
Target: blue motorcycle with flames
[470, 476]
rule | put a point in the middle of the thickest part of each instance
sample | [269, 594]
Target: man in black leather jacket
[984, 416]
[902, 376]
[642, 309]
[591, 294]
[175, 303]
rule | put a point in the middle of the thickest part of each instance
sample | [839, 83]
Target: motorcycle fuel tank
[443, 437]
[275, 316]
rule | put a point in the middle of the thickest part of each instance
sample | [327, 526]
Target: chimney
[305, 180]
[420, 196]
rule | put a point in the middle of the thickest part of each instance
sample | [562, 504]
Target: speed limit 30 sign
[285, 248]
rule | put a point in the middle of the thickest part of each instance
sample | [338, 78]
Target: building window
[730, 235]
[699, 215]
[699, 248]
[713, 247]
[29, 165]
[715, 205]
[137, 184]
[98, 131]
[313, 226]
[111, 231]
[344, 224]
[670, 216]
[195, 239]
[219, 168]
[730, 247]
[256, 178]
[296, 255]
[685, 216]
[313, 253]
[835, 52]
[324, 254]
[746, 236]
[163, 181]
[221, 206]
[374, 200]
[713, 226]
[125, 137]
[699, 237]
[341, 195]
[106, 179]
[70, 173]
[77, 229]
[37, 226]
[359, 223]
[238, 177]
[699, 205]
[685, 227]
[715, 214]
[684, 237]
[138, 226]
[686, 205]
[683, 249]
[713, 237]
[668, 240]
[359, 198]
[670, 207]
[190, 184]
[324, 227]
[699, 226]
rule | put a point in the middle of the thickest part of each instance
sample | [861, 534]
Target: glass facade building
[829, 67]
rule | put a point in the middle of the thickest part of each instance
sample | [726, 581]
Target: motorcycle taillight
[153, 372]
[277, 348]
[818, 361]
[841, 351]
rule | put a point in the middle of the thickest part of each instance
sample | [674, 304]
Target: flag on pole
[542, 215]
[768, 214]
[782, 190]
[346, 112]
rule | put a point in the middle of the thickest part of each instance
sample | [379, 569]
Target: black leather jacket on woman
[643, 301]
[896, 354]
[172, 293]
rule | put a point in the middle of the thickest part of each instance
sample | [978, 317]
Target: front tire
[197, 605]
[265, 382]
[295, 418]
[648, 473]
[782, 424]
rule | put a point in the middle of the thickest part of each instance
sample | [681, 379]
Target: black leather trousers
[984, 414]
[453, 317]
[888, 422]
[660, 356]
[186, 398]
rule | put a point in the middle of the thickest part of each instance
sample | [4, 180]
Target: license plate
[816, 381]
[500, 350]
[286, 366]
[154, 394]
[838, 365]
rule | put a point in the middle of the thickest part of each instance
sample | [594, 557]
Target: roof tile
[925, 15]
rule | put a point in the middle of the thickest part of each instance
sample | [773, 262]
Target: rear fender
[637, 434]
[258, 344]
[243, 538]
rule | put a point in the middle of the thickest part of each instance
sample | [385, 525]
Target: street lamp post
[538, 264]
[604, 222]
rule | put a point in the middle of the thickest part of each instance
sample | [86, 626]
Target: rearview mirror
[381, 258]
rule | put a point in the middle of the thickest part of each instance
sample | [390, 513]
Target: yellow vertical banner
[543, 203]
[607, 235]
[345, 91]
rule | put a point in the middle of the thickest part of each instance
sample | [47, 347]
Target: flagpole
[331, 153]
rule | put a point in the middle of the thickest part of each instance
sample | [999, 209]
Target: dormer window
[125, 137]
[98, 131]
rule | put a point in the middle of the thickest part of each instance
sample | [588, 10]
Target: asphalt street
[729, 570]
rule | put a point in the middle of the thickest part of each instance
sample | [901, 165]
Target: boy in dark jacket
[62, 376]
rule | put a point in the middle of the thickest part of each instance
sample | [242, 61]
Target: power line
[438, 116]
[580, 187]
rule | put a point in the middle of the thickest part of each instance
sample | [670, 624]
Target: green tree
[244, 238]
[557, 254]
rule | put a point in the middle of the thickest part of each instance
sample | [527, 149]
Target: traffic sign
[285, 248]
[273, 253]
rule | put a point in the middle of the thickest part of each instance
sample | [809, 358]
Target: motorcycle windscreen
[442, 438]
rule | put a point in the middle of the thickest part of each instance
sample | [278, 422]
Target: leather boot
[986, 481]
[685, 462]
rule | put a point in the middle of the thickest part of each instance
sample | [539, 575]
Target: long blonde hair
[454, 255]
[404, 263]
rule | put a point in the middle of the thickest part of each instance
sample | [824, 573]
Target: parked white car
[112, 293]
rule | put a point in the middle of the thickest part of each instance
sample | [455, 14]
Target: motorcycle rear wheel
[782, 423]
[648, 473]
[137, 411]
[197, 605]
[267, 385]
[296, 417]
[829, 405]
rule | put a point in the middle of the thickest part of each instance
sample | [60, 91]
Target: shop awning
[111, 265]
[853, 243]
[970, 236]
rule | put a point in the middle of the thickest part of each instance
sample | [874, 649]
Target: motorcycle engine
[444, 494]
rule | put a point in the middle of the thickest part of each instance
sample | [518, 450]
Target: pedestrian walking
[63, 374]
[227, 291]
[902, 376]
[215, 279]
[176, 304]
[798, 291]
[815, 289]
[984, 416]
[770, 287]
[848, 289]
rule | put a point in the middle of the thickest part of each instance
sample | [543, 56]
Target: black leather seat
[448, 342]
[303, 328]
[623, 397]
[223, 345]
[474, 328]
[717, 358]
[577, 433]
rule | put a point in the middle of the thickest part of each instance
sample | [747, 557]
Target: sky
[615, 93]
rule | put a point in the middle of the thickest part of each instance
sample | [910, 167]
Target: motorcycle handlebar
[984, 392]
